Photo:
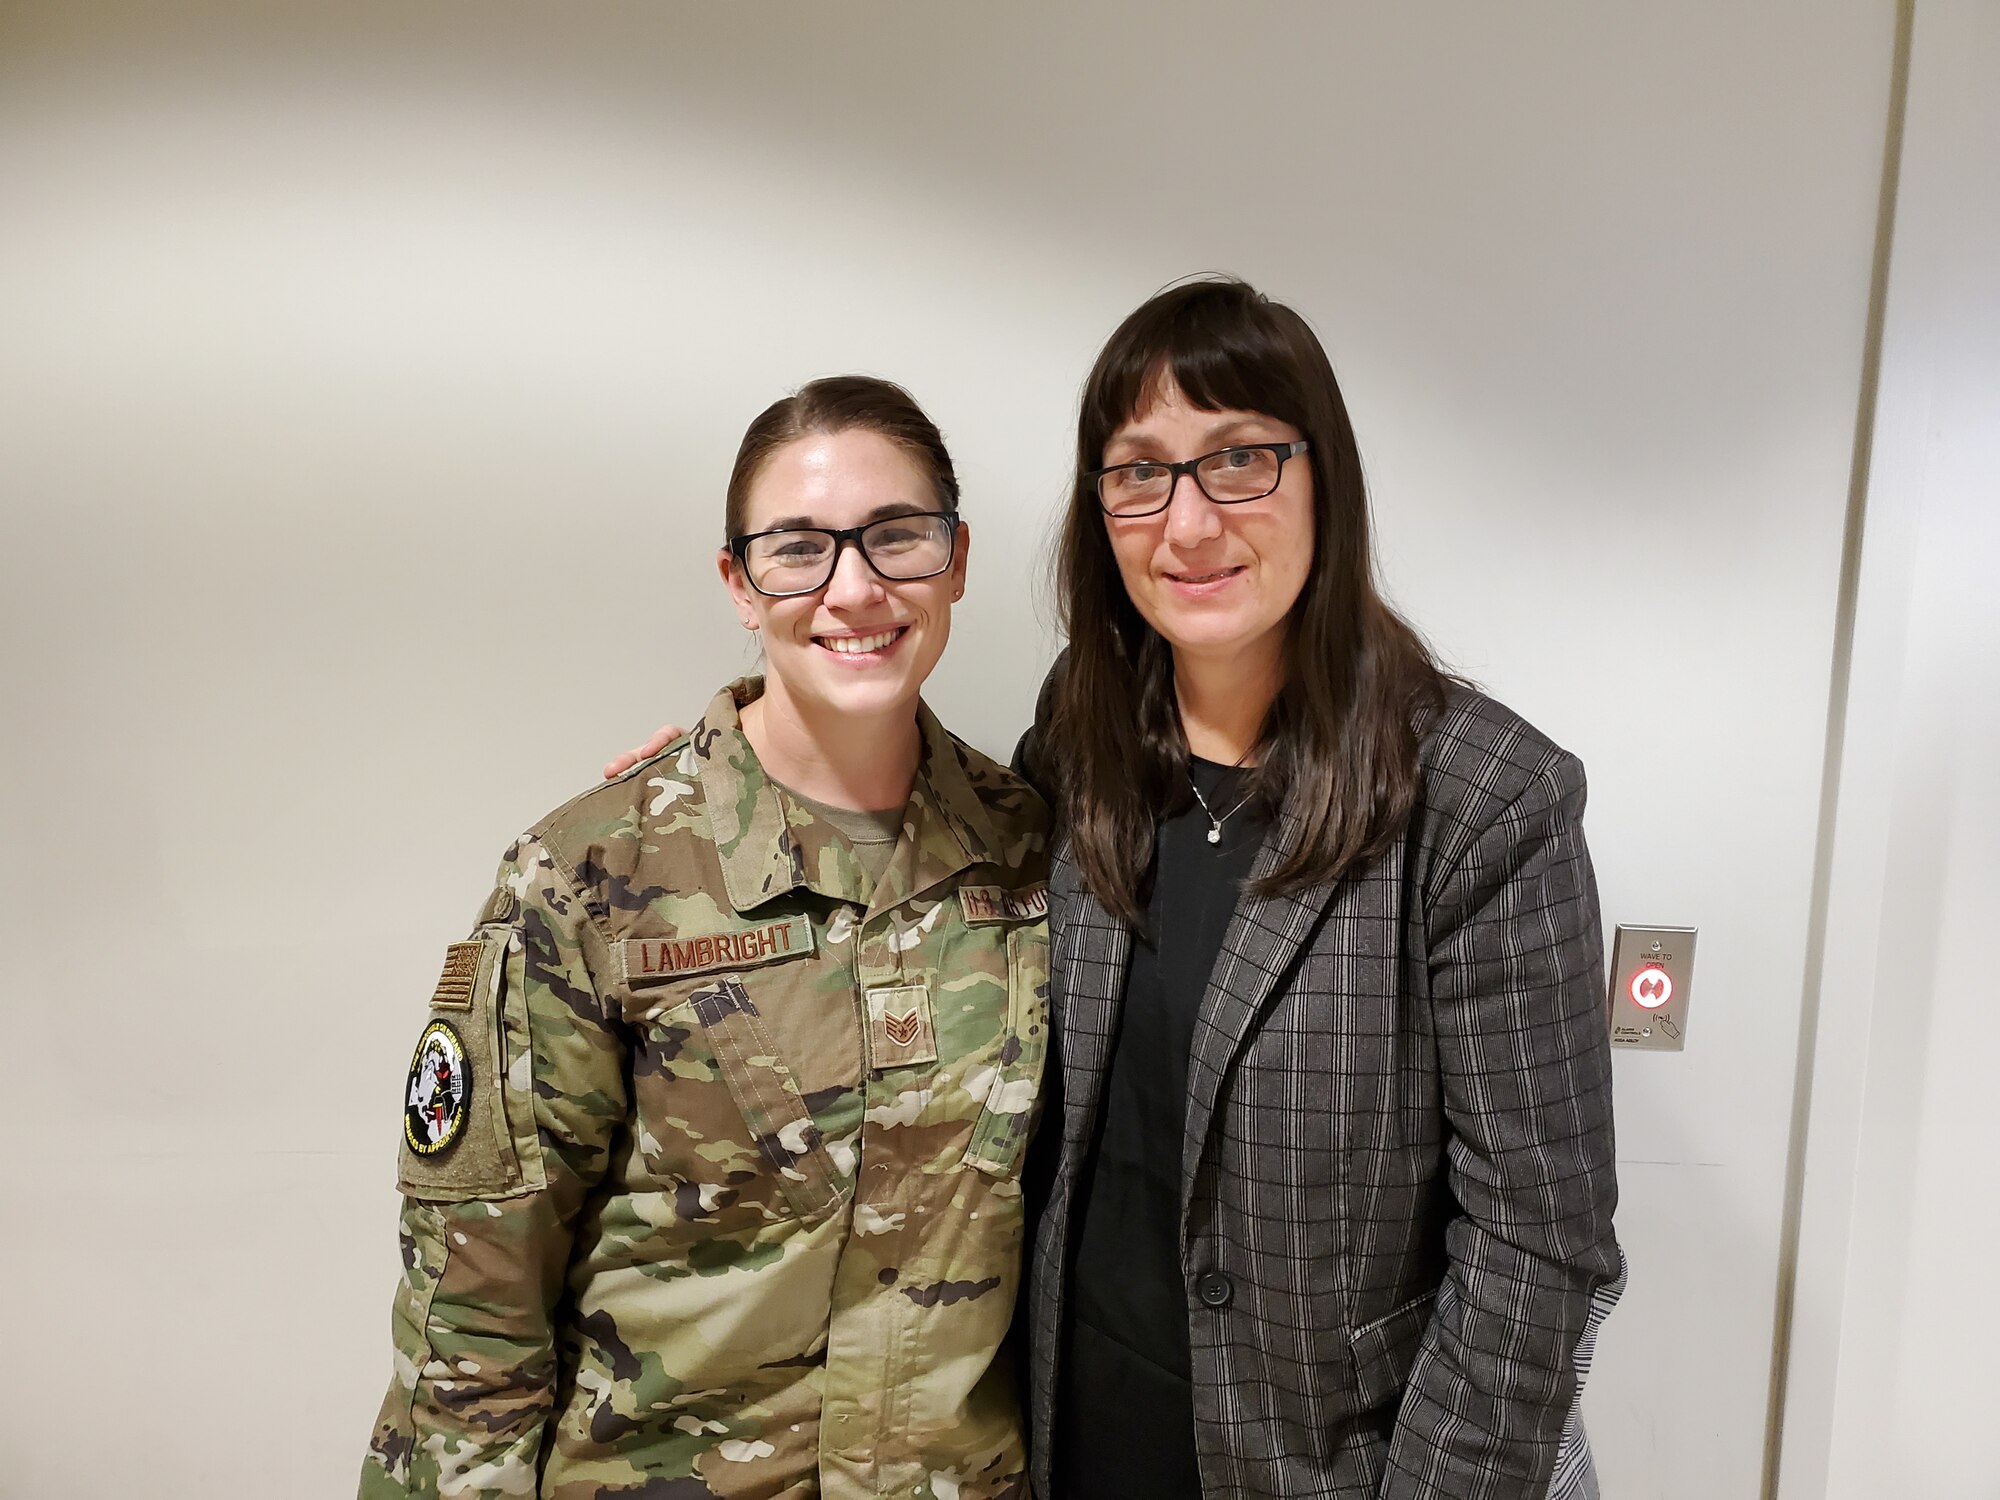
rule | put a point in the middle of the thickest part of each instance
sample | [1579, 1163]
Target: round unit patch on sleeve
[434, 1105]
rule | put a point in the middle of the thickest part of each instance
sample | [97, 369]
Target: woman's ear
[739, 591]
[960, 549]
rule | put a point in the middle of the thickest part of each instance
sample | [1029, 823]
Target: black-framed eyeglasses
[1228, 476]
[800, 559]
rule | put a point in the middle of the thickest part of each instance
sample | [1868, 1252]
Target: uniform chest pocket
[721, 1113]
[1010, 1084]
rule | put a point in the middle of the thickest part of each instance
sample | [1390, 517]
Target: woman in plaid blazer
[1325, 1173]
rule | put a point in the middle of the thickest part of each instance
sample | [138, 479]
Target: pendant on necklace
[1215, 833]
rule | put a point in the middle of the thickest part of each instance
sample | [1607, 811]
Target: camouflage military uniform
[729, 1201]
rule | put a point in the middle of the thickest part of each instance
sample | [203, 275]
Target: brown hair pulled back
[1338, 749]
[839, 403]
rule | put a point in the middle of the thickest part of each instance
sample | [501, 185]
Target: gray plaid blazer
[1396, 1163]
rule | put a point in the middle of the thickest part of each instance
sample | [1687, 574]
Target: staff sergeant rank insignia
[434, 1105]
[900, 1031]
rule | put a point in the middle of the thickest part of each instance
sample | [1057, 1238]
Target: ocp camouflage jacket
[711, 1153]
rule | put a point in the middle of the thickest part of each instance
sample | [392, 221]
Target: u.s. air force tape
[653, 960]
[992, 903]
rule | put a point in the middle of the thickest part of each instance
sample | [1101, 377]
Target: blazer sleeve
[1517, 1009]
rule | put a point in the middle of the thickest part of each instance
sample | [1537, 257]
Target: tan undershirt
[872, 835]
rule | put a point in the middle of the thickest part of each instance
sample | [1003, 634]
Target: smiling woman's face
[863, 644]
[1216, 581]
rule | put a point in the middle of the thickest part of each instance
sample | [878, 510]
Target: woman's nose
[853, 583]
[1191, 516]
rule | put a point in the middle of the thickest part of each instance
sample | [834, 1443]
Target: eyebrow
[1221, 432]
[879, 513]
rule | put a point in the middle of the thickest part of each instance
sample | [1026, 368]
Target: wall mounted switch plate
[1651, 969]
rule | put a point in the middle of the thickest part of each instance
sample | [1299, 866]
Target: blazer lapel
[1091, 952]
[1264, 936]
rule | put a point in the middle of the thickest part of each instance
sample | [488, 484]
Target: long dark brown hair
[1338, 748]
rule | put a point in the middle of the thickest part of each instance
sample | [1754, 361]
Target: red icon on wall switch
[1652, 987]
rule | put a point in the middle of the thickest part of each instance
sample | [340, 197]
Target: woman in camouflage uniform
[745, 1047]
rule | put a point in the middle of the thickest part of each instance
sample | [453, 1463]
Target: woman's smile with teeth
[1208, 576]
[854, 645]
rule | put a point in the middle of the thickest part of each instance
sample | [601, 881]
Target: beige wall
[368, 375]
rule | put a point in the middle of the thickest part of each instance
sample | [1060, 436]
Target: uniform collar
[769, 843]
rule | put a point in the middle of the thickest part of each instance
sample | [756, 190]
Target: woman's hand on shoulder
[664, 736]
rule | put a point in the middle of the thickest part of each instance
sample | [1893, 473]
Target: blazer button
[1214, 1289]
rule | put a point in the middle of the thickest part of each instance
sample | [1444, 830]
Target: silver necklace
[1215, 823]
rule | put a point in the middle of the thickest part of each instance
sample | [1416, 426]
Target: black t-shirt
[1125, 1413]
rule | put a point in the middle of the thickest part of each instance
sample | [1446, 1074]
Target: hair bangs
[1217, 342]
